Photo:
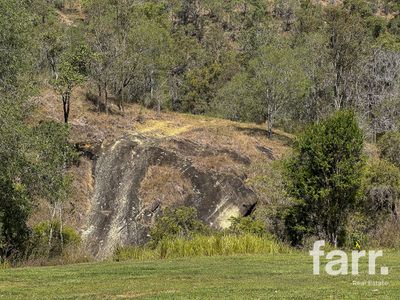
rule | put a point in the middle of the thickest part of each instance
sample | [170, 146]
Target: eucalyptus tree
[313, 56]
[102, 37]
[130, 43]
[348, 45]
[278, 81]
[17, 44]
[149, 53]
[378, 97]
[72, 69]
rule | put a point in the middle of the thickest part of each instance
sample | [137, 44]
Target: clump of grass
[204, 245]
[4, 265]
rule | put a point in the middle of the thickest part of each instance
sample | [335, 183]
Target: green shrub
[270, 185]
[389, 146]
[44, 244]
[179, 222]
[324, 176]
[243, 225]
[380, 189]
[14, 211]
[63, 4]
[59, 4]
[358, 229]
[376, 222]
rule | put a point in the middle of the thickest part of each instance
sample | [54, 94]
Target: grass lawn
[281, 276]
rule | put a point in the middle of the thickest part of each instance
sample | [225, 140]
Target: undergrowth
[203, 245]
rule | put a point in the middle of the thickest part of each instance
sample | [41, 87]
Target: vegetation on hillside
[330, 70]
[279, 62]
[324, 176]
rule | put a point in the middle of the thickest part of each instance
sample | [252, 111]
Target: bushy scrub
[180, 234]
[389, 146]
[381, 189]
[62, 4]
[358, 231]
[376, 222]
[247, 225]
[180, 222]
[50, 240]
[270, 186]
[33, 164]
[324, 177]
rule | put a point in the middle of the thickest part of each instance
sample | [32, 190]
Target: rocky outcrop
[121, 215]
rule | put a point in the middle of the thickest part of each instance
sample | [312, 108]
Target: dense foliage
[283, 62]
[180, 233]
[277, 61]
[324, 176]
[179, 222]
[33, 157]
[389, 146]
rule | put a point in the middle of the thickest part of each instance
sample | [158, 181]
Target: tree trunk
[152, 94]
[53, 213]
[151, 86]
[98, 98]
[158, 107]
[173, 90]
[53, 67]
[121, 98]
[269, 122]
[106, 98]
[61, 227]
[334, 239]
[66, 105]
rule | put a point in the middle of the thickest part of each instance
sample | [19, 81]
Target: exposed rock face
[119, 215]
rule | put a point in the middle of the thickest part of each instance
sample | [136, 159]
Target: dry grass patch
[220, 163]
[164, 184]
[163, 128]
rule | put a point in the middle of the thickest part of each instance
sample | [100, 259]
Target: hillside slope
[135, 164]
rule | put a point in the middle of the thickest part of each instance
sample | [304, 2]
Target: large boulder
[136, 177]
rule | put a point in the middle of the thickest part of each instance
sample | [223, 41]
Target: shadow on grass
[100, 107]
[276, 136]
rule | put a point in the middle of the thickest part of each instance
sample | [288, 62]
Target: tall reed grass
[203, 245]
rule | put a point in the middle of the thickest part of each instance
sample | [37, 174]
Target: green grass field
[280, 276]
